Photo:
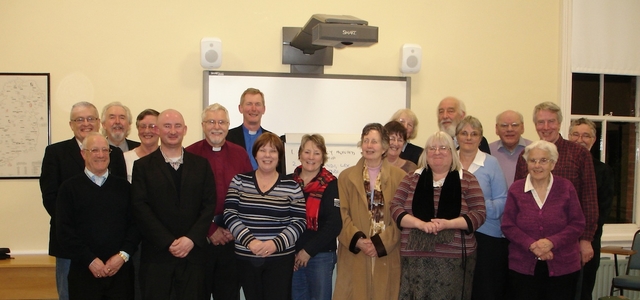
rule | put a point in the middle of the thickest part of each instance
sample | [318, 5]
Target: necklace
[266, 181]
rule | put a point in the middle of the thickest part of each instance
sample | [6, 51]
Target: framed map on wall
[24, 123]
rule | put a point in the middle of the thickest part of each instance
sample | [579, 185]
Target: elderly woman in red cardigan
[543, 222]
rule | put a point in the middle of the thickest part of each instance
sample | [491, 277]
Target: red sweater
[226, 163]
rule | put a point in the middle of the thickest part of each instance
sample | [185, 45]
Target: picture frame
[25, 123]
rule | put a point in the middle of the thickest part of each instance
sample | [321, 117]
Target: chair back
[634, 260]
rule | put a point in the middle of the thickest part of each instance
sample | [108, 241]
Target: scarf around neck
[313, 192]
[375, 199]
[449, 204]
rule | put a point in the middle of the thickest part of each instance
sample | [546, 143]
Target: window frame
[613, 234]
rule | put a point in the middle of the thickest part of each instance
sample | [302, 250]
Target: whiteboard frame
[360, 100]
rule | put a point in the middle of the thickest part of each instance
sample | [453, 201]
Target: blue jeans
[62, 280]
[314, 282]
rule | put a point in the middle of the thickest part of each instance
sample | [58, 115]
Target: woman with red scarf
[316, 248]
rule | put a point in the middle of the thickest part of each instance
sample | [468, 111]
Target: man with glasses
[574, 163]
[95, 227]
[509, 127]
[583, 133]
[61, 161]
[116, 126]
[226, 160]
[174, 198]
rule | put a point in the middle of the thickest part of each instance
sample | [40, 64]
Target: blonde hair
[443, 139]
[414, 118]
[317, 140]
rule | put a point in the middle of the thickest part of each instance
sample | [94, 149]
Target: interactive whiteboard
[333, 105]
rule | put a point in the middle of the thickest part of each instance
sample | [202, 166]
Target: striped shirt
[278, 214]
[472, 206]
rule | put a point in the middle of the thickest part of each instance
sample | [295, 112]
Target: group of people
[532, 230]
[156, 220]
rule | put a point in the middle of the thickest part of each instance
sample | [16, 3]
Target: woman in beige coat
[368, 252]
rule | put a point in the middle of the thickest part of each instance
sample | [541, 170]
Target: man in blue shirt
[509, 127]
[252, 108]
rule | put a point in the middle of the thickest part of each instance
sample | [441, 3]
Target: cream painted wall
[494, 55]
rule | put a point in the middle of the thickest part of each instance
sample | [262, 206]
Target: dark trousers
[135, 261]
[178, 279]
[492, 268]
[84, 286]
[541, 286]
[221, 277]
[587, 279]
[266, 279]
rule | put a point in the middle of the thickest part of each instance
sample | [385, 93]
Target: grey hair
[85, 142]
[550, 106]
[215, 107]
[462, 109]
[82, 104]
[472, 121]
[513, 111]
[127, 112]
[587, 122]
[544, 146]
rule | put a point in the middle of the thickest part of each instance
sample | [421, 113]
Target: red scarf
[313, 192]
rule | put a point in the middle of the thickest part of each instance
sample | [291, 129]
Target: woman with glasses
[490, 276]
[438, 208]
[543, 221]
[148, 135]
[368, 253]
[397, 137]
[408, 119]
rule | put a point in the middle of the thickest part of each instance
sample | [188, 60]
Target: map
[24, 124]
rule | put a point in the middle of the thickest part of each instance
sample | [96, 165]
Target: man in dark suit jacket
[61, 161]
[583, 132]
[116, 126]
[174, 198]
[252, 108]
[450, 112]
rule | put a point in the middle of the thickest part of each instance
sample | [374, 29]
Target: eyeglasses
[212, 122]
[81, 120]
[433, 149]
[542, 161]
[584, 136]
[473, 134]
[145, 126]
[406, 123]
[507, 125]
[96, 151]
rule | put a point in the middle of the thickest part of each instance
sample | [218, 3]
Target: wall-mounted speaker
[411, 58]
[210, 52]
